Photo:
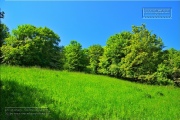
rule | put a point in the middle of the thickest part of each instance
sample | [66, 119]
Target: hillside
[73, 95]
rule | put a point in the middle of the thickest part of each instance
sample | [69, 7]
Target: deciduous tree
[4, 33]
[142, 55]
[74, 57]
[114, 51]
[94, 53]
[30, 45]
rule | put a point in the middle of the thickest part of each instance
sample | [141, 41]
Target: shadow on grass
[12, 94]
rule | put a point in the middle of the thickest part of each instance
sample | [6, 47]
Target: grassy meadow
[73, 95]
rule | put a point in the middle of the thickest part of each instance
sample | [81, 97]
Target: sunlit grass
[71, 95]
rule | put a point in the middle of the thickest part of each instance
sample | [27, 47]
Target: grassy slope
[70, 95]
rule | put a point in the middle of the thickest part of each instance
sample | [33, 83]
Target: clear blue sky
[92, 22]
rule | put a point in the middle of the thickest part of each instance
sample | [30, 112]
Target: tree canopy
[136, 55]
[74, 57]
[94, 53]
[30, 45]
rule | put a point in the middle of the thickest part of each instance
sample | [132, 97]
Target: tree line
[136, 55]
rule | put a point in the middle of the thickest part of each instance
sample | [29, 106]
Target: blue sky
[92, 22]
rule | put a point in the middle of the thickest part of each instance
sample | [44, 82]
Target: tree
[29, 45]
[142, 55]
[114, 51]
[94, 53]
[171, 63]
[4, 33]
[74, 57]
[85, 59]
[60, 58]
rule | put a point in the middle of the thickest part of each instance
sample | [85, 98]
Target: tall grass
[71, 95]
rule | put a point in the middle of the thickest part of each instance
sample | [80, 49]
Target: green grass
[73, 95]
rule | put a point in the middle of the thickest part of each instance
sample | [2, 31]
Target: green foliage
[74, 57]
[29, 45]
[74, 95]
[4, 33]
[85, 58]
[94, 53]
[59, 59]
[168, 71]
[143, 53]
[113, 53]
[139, 56]
[159, 77]
[172, 63]
[135, 55]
